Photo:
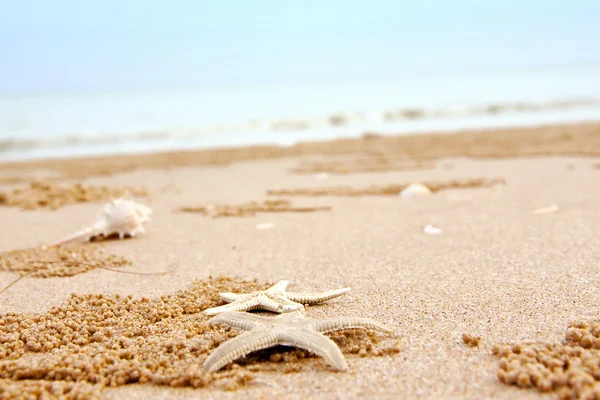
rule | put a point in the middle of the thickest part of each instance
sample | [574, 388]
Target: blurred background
[80, 78]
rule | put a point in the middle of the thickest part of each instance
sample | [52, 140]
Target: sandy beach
[322, 216]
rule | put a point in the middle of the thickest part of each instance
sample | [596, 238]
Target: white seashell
[546, 210]
[120, 216]
[432, 230]
[267, 225]
[415, 190]
[211, 210]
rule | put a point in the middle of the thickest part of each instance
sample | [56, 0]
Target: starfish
[274, 299]
[289, 329]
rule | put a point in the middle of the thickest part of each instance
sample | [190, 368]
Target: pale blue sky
[112, 44]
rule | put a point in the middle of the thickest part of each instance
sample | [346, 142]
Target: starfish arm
[286, 305]
[249, 304]
[229, 297]
[240, 320]
[317, 343]
[336, 324]
[239, 346]
[292, 307]
[278, 287]
[315, 298]
[267, 303]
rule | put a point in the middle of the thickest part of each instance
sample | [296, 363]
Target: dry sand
[497, 272]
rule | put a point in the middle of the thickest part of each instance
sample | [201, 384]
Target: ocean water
[76, 124]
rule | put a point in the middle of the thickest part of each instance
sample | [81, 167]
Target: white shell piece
[432, 230]
[267, 225]
[415, 190]
[546, 210]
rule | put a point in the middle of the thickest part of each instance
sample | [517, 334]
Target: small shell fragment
[321, 176]
[546, 210]
[264, 226]
[432, 230]
[415, 190]
[211, 209]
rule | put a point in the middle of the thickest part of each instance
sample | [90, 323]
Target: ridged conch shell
[415, 190]
[123, 217]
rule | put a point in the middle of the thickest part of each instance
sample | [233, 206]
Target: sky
[60, 45]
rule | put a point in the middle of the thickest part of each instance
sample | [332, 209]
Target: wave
[352, 120]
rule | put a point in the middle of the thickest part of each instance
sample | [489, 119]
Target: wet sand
[497, 271]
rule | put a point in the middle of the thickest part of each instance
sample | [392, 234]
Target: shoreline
[104, 121]
[408, 121]
[581, 139]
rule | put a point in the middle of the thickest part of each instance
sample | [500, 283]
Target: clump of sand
[45, 262]
[46, 195]
[386, 190]
[251, 208]
[47, 390]
[571, 369]
[470, 340]
[112, 340]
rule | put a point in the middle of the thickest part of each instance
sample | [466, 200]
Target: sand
[566, 140]
[40, 194]
[45, 262]
[251, 208]
[497, 274]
